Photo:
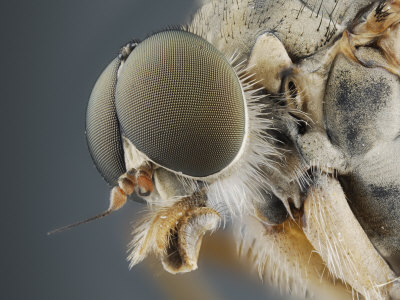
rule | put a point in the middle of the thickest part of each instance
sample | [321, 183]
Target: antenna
[117, 200]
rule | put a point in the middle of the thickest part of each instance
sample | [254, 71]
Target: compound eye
[102, 127]
[180, 102]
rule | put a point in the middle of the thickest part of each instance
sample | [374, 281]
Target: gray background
[51, 55]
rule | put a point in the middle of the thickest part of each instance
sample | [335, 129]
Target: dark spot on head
[384, 192]
[300, 124]
[272, 209]
[292, 90]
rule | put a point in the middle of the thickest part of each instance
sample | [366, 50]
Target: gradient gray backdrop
[51, 55]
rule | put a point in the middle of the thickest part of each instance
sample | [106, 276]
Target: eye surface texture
[102, 128]
[180, 102]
